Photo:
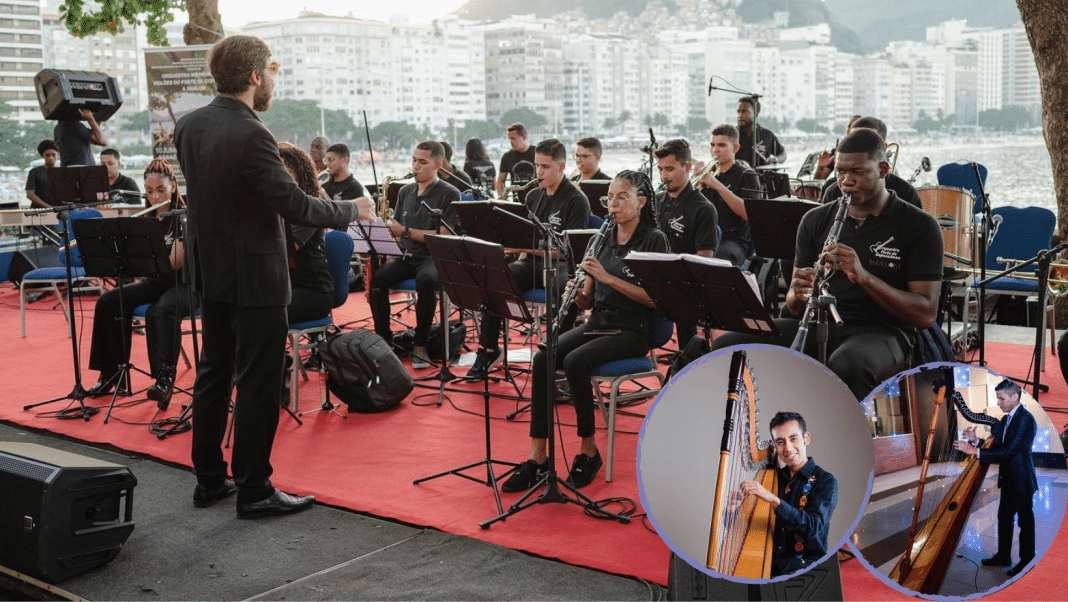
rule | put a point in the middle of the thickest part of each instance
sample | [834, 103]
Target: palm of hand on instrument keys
[844, 259]
[591, 266]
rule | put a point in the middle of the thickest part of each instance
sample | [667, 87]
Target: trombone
[892, 154]
[1056, 279]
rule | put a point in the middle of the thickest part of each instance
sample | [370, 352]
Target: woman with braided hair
[620, 308]
[168, 296]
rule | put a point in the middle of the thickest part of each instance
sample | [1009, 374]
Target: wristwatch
[407, 232]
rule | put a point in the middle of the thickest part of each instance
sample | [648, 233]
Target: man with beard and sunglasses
[239, 193]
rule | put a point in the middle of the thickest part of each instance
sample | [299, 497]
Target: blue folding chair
[962, 175]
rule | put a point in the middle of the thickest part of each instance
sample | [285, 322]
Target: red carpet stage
[366, 463]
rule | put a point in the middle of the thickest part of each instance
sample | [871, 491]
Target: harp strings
[735, 518]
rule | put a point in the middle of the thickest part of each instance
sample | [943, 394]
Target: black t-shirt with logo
[345, 190]
[567, 209]
[745, 183]
[412, 213]
[767, 144]
[520, 166]
[900, 245]
[689, 221]
[626, 313]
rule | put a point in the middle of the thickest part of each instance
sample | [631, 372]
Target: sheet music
[380, 238]
[686, 257]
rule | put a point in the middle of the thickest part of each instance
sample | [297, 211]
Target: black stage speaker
[821, 582]
[61, 513]
[61, 93]
[27, 260]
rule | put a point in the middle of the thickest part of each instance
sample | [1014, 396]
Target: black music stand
[476, 277]
[123, 248]
[773, 227]
[776, 184]
[594, 190]
[73, 188]
[710, 292]
[375, 240]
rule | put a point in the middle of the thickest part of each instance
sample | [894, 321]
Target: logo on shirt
[555, 219]
[676, 225]
[626, 272]
[883, 250]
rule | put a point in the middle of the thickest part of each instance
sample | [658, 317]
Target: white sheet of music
[380, 238]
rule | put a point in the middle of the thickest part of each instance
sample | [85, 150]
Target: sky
[236, 13]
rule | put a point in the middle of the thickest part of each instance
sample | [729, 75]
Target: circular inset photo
[754, 463]
[970, 483]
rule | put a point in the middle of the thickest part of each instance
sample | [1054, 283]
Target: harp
[930, 547]
[740, 540]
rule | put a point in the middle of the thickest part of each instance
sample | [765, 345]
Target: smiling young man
[805, 500]
[1013, 437]
[887, 272]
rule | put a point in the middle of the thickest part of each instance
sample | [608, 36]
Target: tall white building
[525, 68]
[1007, 75]
[602, 79]
[466, 81]
[21, 56]
[873, 86]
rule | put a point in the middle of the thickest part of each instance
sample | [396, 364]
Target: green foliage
[298, 121]
[694, 125]
[811, 126]
[112, 15]
[138, 122]
[523, 115]
[483, 130]
[18, 143]
[395, 135]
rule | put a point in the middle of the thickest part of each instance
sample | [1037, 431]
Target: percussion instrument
[952, 209]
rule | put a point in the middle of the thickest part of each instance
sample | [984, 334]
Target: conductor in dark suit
[1013, 437]
[239, 192]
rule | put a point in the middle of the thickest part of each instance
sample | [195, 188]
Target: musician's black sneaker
[583, 469]
[485, 361]
[526, 476]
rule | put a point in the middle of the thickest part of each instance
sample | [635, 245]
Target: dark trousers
[733, 250]
[1021, 508]
[163, 325]
[248, 342]
[309, 304]
[393, 273]
[526, 275]
[863, 356]
[578, 355]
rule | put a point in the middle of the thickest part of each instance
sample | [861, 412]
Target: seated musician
[588, 159]
[687, 218]
[118, 182]
[558, 203]
[412, 220]
[1013, 437]
[37, 188]
[804, 502]
[169, 299]
[759, 145]
[904, 190]
[887, 272]
[478, 166]
[619, 306]
[727, 189]
[309, 272]
[454, 176]
[340, 184]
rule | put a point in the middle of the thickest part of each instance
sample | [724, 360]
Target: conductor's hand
[594, 268]
[844, 259]
[366, 208]
[753, 488]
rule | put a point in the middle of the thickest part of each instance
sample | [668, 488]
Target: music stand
[594, 190]
[475, 275]
[710, 292]
[776, 184]
[123, 248]
[73, 188]
[773, 225]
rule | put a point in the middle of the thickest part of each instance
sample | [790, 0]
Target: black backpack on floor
[364, 372]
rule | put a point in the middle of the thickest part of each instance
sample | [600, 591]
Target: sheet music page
[379, 234]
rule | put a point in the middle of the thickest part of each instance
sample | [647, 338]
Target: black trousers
[248, 342]
[863, 356]
[578, 355]
[309, 304]
[526, 275]
[394, 272]
[163, 325]
[734, 251]
[1021, 508]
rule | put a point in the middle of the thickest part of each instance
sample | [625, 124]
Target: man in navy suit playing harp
[1013, 436]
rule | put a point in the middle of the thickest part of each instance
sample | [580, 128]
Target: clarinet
[822, 276]
[592, 250]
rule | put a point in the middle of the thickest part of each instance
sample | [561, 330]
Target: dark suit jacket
[238, 194]
[1016, 472]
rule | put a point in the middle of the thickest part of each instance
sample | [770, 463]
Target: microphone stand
[753, 127]
[986, 225]
[551, 494]
[444, 375]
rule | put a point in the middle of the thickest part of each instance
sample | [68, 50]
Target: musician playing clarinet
[1013, 437]
[887, 272]
[805, 502]
[620, 326]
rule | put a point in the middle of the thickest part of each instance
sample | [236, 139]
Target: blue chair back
[339, 256]
[75, 253]
[595, 222]
[962, 175]
[1022, 233]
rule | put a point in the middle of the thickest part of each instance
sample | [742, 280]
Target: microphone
[173, 212]
[116, 195]
[996, 221]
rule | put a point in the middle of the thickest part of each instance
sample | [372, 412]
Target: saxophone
[592, 250]
[520, 188]
[382, 201]
[822, 276]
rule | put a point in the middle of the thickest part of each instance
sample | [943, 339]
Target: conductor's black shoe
[526, 476]
[997, 560]
[1016, 570]
[485, 360]
[583, 469]
[278, 502]
[104, 386]
[160, 392]
[206, 496]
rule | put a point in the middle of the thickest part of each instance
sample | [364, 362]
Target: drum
[952, 209]
[809, 190]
